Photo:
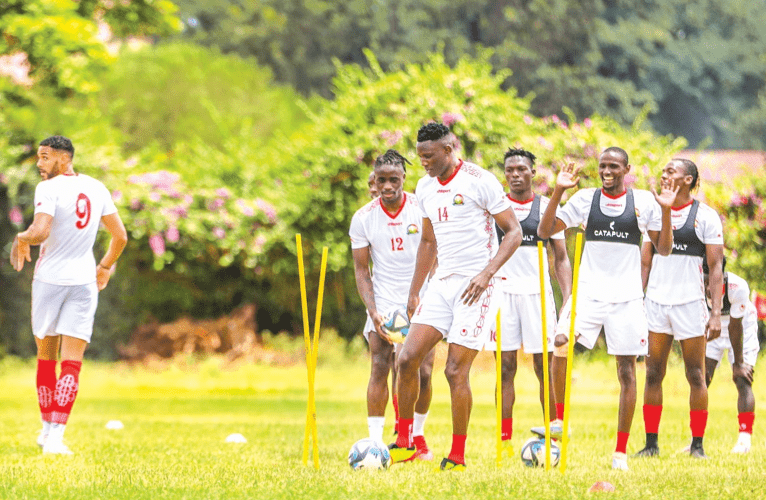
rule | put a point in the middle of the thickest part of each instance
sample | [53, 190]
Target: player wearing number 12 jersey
[387, 232]
[68, 210]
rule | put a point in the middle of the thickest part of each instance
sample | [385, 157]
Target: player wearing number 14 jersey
[68, 210]
[387, 232]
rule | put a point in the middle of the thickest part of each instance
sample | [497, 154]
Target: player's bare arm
[714, 257]
[507, 221]
[119, 238]
[666, 198]
[424, 263]
[34, 235]
[365, 289]
[562, 268]
[549, 223]
[647, 253]
[739, 369]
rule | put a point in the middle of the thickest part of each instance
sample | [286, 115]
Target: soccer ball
[533, 453]
[396, 323]
[369, 454]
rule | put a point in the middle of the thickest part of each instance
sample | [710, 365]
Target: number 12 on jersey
[397, 244]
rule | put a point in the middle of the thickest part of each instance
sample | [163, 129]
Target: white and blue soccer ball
[533, 453]
[396, 323]
[368, 453]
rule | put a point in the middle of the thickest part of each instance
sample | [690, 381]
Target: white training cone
[114, 425]
[236, 438]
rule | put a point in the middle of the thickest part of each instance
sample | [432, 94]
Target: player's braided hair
[392, 157]
[691, 169]
[619, 151]
[520, 152]
[59, 142]
[432, 132]
[706, 268]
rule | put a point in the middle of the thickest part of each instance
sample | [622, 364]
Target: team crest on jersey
[458, 199]
[412, 229]
[638, 214]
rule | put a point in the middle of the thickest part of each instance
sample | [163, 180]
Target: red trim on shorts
[682, 206]
[613, 197]
[451, 176]
[394, 216]
[522, 202]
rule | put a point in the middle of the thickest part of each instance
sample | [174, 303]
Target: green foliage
[744, 226]
[695, 65]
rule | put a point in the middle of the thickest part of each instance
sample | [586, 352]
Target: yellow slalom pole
[315, 351]
[546, 372]
[307, 341]
[499, 389]
[570, 352]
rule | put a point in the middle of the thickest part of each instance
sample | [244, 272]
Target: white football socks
[375, 426]
[419, 421]
[56, 432]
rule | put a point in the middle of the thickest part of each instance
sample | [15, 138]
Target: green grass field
[177, 416]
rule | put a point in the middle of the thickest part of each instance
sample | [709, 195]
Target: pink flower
[645, 170]
[15, 216]
[154, 196]
[555, 118]
[3, 179]
[215, 204]
[179, 211]
[157, 244]
[135, 204]
[116, 195]
[630, 179]
[172, 234]
[268, 209]
[17, 67]
[219, 233]
[528, 119]
[223, 193]
[244, 208]
[391, 138]
[450, 119]
[587, 123]
[260, 240]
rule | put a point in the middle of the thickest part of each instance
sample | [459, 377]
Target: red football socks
[457, 453]
[622, 442]
[46, 384]
[746, 422]
[560, 411]
[506, 429]
[698, 422]
[404, 438]
[420, 443]
[66, 391]
[652, 415]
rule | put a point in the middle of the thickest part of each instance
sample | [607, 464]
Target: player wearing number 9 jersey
[68, 210]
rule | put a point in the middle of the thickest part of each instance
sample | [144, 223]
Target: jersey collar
[394, 216]
[451, 176]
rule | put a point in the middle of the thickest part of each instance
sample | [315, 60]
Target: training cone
[236, 438]
[114, 425]
[604, 486]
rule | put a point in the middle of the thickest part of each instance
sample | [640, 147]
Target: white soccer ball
[396, 323]
[533, 453]
[369, 454]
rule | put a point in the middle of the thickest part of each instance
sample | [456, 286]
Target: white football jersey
[393, 240]
[611, 272]
[741, 307]
[460, 210]
[677, 279]
[520, 272]
[76, 203]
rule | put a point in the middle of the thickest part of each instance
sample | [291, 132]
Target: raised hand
[667, 195]
[568, 177]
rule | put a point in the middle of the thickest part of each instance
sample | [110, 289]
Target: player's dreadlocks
[619, 151]
[392, 157]
[432, 132]
[520, 152]
[59, 142]
[691, 169]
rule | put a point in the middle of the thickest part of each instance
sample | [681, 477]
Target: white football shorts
[624, 324]
[521, 323]
[460, 324]
[63, 310]
[750, 347]
[682, 321]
